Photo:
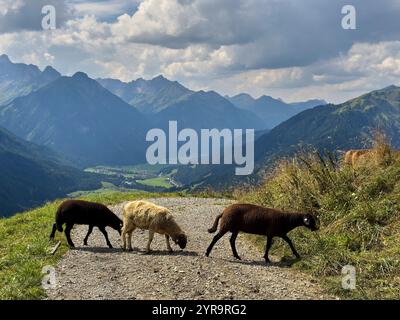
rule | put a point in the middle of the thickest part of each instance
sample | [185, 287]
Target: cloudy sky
[291, 49]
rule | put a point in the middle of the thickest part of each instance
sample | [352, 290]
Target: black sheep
[73, 212]
[258, 220]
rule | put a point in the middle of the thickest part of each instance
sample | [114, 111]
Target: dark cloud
[29, 15]
[267, 33]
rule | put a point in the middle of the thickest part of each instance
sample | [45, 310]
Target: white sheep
[148, 216]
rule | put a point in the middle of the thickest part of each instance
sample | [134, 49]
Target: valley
[143, 177]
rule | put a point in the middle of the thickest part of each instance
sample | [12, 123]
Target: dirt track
[97, 272]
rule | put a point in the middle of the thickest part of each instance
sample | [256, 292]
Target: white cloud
[48, 57]
[10, 5]
[21, 15]
[180, 23]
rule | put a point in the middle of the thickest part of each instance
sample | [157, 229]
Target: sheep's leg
[268, 247]
[168, 244]
[130, 240]
[104, 232]
[126, 232]
[68, 229]
[87, 236]
[123, 238]
[53, 232]
[218, 236]
[151, 236]
[233, 244]
[290, 243]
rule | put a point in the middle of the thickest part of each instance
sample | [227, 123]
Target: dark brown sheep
[73, 212]
[258, 220]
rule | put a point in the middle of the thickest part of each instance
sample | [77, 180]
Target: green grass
[359, 211]
[24, 245]
[156, 182]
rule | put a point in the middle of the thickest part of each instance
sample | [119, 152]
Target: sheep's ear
[306, 221]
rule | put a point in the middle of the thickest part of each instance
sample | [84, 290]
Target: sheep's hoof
[267, 261]
[237, 257]
[85, 244]
[130, 250]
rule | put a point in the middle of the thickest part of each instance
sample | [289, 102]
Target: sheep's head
[181, 241]
[117, 225]
[311, 222]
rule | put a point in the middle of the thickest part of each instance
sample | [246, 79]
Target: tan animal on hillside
[352, 157]
[148, 216]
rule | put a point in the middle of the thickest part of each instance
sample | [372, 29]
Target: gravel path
[97, 272]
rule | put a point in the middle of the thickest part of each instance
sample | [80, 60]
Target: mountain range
[337, 127]
[78, 118]
[46, 117]
[272, 111]
[18, 79]
[105, 121]
[164, 100]
[328, 127]
[168, 100]
[147, 96]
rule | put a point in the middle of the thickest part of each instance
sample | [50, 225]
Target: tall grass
[359, 211]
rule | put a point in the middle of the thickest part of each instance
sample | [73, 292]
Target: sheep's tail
[58, 225]
[59, 221]
[215, 225]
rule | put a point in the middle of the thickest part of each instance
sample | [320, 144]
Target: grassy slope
[24, 245]
[359, 212]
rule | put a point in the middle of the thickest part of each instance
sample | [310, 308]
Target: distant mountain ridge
[345, 126]
[349, 125]
[80, 119]
[166, 100]
[160, 96]
[18, 79]
[148, 96]
[304, 105]
[207, 110]
[272, 111]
